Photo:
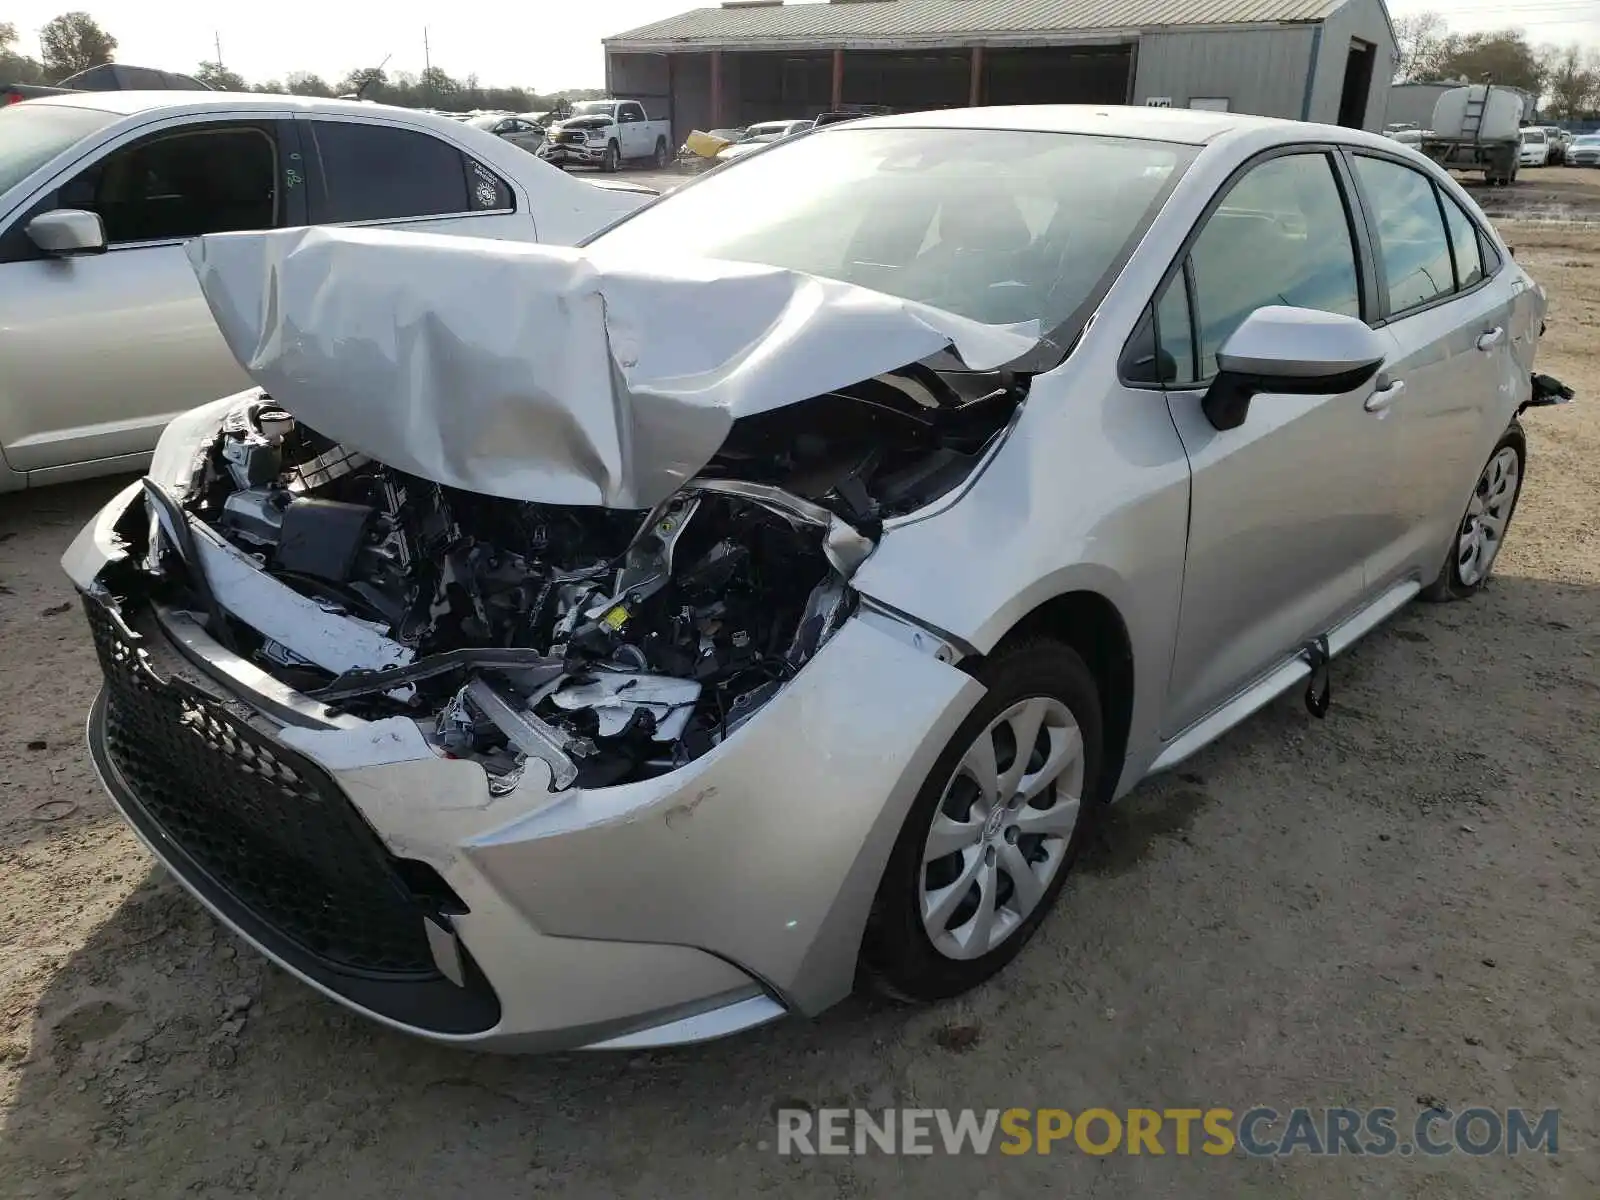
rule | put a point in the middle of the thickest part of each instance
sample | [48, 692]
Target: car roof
[132, 103]
[1195, 127]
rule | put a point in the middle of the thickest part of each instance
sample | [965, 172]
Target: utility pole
[217, 37]
[427, 70]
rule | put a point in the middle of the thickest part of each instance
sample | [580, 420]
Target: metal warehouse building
[754, 60]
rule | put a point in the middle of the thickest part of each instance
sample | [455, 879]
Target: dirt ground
[1397, 906]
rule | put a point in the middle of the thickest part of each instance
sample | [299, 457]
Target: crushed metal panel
[549, 374]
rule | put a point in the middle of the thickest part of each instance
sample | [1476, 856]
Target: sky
[543, 44]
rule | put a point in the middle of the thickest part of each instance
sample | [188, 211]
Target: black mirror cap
[1227, 400]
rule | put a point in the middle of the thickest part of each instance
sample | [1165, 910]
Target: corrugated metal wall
[1261, 71]
[1364, 20]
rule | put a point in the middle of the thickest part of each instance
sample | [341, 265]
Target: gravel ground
[1393, 907]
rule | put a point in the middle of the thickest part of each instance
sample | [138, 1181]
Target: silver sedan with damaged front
[615, 648]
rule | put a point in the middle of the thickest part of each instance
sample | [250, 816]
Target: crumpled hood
[590, 122]
[545, 373]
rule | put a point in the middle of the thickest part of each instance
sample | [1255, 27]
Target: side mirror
[1294, 351]
[68, 232]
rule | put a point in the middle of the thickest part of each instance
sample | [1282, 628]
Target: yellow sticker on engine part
[616, 618]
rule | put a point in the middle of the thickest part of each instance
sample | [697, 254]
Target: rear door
[366, 173]
[636, 136]
[1284, 511]
[1447, 306]
[99, 352]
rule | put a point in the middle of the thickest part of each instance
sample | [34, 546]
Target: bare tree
[1421, 38]
[1572, 80]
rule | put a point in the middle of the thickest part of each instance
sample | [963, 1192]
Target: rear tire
[925, 940]
[661, 155]
[1482, 530]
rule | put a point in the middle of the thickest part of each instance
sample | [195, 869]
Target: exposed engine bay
[611, 645]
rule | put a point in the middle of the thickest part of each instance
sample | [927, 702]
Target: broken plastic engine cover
[612, 645]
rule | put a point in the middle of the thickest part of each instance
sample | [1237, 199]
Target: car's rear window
[998, 225]
[34, 132]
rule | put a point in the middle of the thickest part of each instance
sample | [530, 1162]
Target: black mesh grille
[267, 825]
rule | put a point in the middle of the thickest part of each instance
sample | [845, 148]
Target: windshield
[997, 225]
[1534, 136]
[1588, 139]
[32, 133]
[485, 122]
[594, 108]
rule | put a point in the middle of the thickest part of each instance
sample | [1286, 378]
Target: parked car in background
[1584, 151]
[516, 130]
[1560, 144]
[107, 77]
[606, 134]
[993, 460]
[103, 331]
[1535, 150]
[761, 134]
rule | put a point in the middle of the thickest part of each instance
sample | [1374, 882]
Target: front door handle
[1492, 339]
[1383, 397]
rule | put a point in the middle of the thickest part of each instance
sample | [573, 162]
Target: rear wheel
[990, 838]
[1484, 526]
[661, 155]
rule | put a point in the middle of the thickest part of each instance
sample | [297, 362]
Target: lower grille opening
[270, 839]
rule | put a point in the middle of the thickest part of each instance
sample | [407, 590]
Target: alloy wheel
[1483, 528]
[1000, 833]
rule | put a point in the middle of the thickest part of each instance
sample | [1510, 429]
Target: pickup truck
[605, 134]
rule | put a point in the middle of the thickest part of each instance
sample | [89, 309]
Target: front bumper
[705, 901]
[586, 154]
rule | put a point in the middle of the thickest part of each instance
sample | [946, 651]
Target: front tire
[1483, 528]
[990, 839]
[612, 160]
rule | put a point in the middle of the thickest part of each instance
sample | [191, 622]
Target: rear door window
[1466, 243]
[1413, 246]
[383, 173]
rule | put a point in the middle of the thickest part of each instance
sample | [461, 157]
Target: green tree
[304, 83]
[1505, 58]
[215, 75]
[438, 89]
[74, 42]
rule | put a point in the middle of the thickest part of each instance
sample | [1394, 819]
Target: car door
[106, 348]
[1283, 514]
[633, 131]
[367, 173]
[520, 133]
[1453, 327]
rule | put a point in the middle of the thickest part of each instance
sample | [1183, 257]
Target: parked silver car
[104, 336]
[517, 130]
[1585, 151]
[619, 649]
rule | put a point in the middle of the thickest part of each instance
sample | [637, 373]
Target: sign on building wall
[1158, 102]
